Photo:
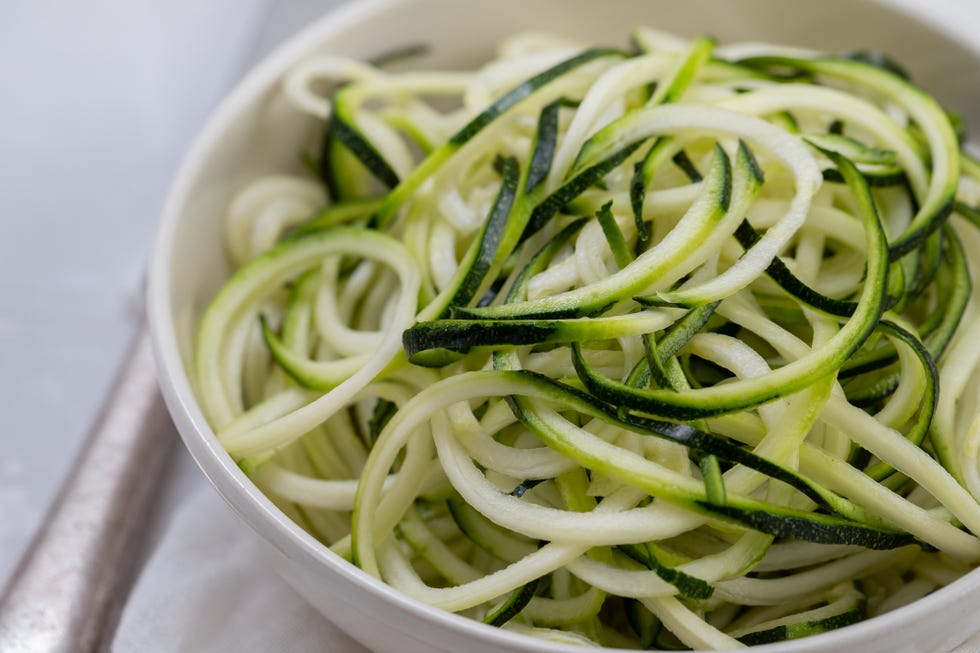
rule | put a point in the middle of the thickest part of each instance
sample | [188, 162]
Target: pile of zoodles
[671, 346]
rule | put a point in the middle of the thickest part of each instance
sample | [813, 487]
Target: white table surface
[98, 101]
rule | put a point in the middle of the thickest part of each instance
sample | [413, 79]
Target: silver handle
[64, 596]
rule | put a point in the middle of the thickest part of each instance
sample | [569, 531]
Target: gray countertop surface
[98, 102]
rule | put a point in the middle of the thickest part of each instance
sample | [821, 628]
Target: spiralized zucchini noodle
[664, 346]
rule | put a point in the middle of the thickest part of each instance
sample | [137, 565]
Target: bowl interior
[254, 133]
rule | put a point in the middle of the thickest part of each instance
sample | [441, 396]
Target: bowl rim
[236, 489]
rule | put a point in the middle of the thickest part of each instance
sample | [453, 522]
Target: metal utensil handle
[64, 593]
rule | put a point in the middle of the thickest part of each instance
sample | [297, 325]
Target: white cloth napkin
[206, 586]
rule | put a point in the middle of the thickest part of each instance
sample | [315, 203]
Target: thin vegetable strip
[658, 347]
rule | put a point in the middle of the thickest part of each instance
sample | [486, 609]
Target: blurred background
[98, 102]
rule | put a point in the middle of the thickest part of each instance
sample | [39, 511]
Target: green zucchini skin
[526, 89]
[513, 606]
[688, 586]
[545, 142]
[795, 631]
[556, 201]
[494, 228]
[718, 401]
[777, 270]
[463, 336]
[938, 204]
[517, 95]
[340, 134]
[766, 518]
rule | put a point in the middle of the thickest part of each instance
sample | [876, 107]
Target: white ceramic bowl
[254, 133]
